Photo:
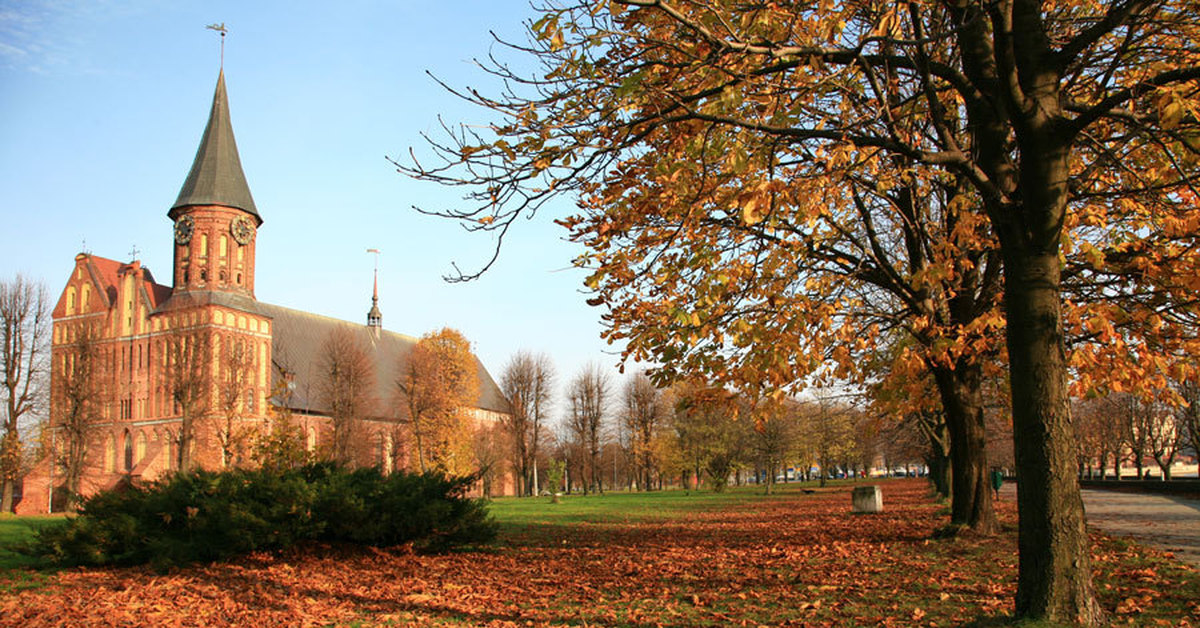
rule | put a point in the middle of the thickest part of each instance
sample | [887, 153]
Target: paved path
[1167, 523]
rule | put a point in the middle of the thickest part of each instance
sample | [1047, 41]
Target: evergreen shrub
[207, 515]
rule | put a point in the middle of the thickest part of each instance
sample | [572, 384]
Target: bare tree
[1100, 432]
[588, 400]
[188, 377]
[1189, 415]
[488, 445]
[235, 397]
[346, 385]
[773, 438]
[526, 383]
[1135, 429]
[1164, 434]
[24, 330]
[645, 413]
[80, 392]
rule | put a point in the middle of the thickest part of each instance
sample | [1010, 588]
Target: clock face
[183, 229]
[242, 230]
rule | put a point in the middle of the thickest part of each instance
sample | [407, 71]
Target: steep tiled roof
[105, 274]
[216, 177]
[298, 340]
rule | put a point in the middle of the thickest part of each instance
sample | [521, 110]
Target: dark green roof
[216, 177]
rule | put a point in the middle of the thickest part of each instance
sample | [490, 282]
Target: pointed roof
[216, 177]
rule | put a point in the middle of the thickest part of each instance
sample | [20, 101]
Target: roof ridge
[399, 335]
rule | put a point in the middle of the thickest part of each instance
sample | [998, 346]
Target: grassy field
[623, 506]
[671, 558]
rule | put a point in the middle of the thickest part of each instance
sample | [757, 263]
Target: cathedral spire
[216, 177]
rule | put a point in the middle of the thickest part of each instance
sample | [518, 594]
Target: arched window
[128, 450]
[311, 440]
[84, 297]
[203, 245]
[139, 447]
[70, 300]
[222, 246]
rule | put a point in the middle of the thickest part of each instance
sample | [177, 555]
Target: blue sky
[102, 105]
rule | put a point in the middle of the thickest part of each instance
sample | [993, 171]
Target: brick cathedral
[124, 345]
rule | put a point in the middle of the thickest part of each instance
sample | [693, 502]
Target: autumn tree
[829, 422]
[437, 383]
[346, 385]
[1034, 125]
[527, 383]
[643, 414]
[708, 435]
[588, 401]
[24, 332]
[188, 376]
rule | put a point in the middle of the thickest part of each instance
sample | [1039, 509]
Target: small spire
[374, 316]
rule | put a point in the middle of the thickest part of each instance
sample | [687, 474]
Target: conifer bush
[206, 515]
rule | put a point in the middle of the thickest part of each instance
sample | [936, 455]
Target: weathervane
[220, 28]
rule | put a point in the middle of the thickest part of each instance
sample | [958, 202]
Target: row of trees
[1124, 428]
[638, 436]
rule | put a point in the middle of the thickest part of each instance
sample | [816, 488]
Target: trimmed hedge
[207, 515]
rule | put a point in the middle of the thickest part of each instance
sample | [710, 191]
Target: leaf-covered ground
[795, 559]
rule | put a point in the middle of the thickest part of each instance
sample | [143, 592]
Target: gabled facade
[160, 377]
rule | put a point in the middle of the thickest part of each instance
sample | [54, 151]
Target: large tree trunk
[1054, 578]
[962, 400]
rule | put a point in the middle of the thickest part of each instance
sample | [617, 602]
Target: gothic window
[203, 245]
[70, 300]
[84, 297]
[222, 246]
[128, 451]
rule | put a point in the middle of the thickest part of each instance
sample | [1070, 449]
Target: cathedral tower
[216, 222]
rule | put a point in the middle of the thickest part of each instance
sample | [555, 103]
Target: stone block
[867, 499]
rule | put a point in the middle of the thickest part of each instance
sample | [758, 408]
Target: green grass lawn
[14, 529]
[525, 520]
[14, 572]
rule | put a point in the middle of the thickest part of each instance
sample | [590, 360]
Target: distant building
[207, 326]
